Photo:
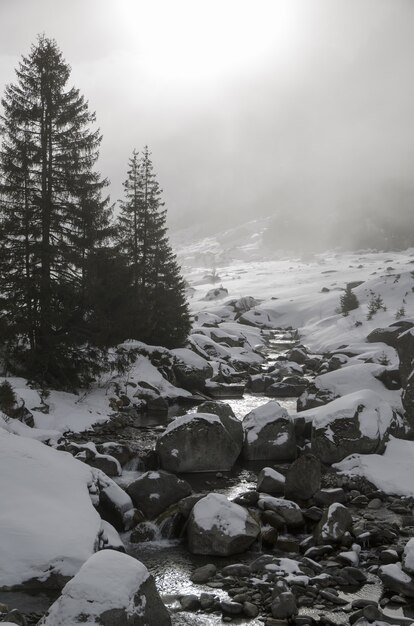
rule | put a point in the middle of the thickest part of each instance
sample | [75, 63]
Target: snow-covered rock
[269, 434]
[408, 556]
[190, 369]
[271, 481]
[153, 492]
[197, 442]
[356, 423]
[390, 472]
[48, 524]
[219, 527]
[111, 589]
[395, 579]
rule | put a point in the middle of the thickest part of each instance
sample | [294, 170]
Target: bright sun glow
[192, 41]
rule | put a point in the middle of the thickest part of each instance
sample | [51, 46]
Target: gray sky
[249, 106]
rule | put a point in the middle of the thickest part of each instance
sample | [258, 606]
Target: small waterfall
[135, 464]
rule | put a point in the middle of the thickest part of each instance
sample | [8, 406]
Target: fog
[297, 109]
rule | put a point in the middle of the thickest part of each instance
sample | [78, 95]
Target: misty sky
[249, 106]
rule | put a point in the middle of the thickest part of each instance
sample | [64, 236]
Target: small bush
[348, 301]
[374, 305]
[8, 398]
[400, 313]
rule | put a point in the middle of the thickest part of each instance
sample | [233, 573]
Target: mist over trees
[72, 280]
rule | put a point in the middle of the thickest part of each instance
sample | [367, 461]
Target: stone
[269, 434]
[303, 478]
[219, 527]
[111, 589]
[335, 522]
[271, 481]
[284, 606]
[325, 497]
[153, 492]
[197, 442]
[203, 574]
[231, 608]
[106, 463]
[190, 602]
[289, 387]
[250, 610]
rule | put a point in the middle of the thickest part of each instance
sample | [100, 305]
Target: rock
[203, 574]
[231, 608]
[273, 519]
[358, 423]
[395, 579]
[216, 294]
[219, 527]
[336, 521]
[287, 388]
[153, 492]
[324, 497]
[408, 557]
[271, 481]
[303, 478]
[284, 606]
[269, 434]
[190, 369]
[157, 405]
[250, 610]
[190, 602]
[144, 531]
[227, 417]
[288, 510]
[111, 589]
[13, 617]
[118, 450]
[106, 463]
[197, 442]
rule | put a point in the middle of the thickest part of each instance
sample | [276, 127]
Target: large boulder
[153, 492]
[271, 481]
[225, 413]
[303, 478]
[197, 442]
[359, 422]
[269, 434]
[190, 369]
[396, 580]
[219, 527]
[405, 349]
[111, 589]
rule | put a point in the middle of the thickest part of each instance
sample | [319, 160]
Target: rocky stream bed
[329, 551]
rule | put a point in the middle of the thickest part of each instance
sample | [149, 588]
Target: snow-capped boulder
[48, 523]
[271, 481]
[190, 369]
[289, 387]
[216, 294]
[335, 522]
[112, 502]
[219, 527]
[303, 478]
[395, 579]
[227, 417]
[359, 422]
[289, 511]
[408, 556]
[197, 442]
[405, 349]
[153, 492]
[111, 589]
[269, 434]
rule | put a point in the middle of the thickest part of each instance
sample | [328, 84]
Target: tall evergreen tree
[52, 211]
[159, 311]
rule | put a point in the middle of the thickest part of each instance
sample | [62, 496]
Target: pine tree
[52, 212]
[159, 311]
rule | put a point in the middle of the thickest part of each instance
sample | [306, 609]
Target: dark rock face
[197, 443]
[303, 478]
[153, 492]
[191, 371]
